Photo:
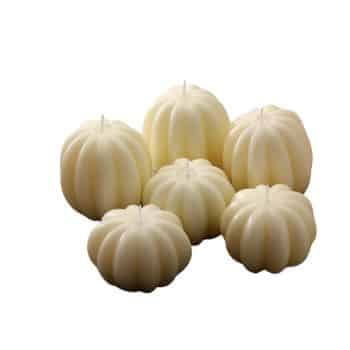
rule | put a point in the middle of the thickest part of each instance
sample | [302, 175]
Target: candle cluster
[191, 176]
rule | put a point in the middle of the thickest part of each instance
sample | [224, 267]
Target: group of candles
[191, 176]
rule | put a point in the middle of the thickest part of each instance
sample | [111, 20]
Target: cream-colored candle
[139, 249]
[186, 122]
[195, 191]
[104, 165]
[268, 228]
[268, 146]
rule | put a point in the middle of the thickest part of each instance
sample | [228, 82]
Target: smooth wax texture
[195, 191]
[268, 228]
[139, 249]
[104, 165]
[268, 146]
[186, 122]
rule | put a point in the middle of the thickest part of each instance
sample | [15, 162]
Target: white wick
[267, 197]
[184, 88]
[261, 112]
[140, 214]
[187, 169]
[102, 123]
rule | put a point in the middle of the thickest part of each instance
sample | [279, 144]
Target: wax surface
[268, 146]
[139, 249]
[268, 227]
[195, 191]
[186, 122]
[104, 165]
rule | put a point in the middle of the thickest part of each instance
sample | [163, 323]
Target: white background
[62, 62]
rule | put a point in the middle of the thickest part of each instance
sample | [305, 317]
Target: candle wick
[267, 197]
[140, 214]
[187, 171]
[102, 123]
[261, 112]
[184, 88]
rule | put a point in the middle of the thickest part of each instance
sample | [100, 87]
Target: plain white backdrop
[62, 62]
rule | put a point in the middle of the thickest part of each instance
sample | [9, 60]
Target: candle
[139, 249]
[186, 122]
[268, 146]
[104, 165]
[268, 227]
[195, 191]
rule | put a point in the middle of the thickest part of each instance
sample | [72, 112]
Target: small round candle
[268, 228]
[139, 249]
[195, 191]
[186, 122]
[268, 146]
[104, 165]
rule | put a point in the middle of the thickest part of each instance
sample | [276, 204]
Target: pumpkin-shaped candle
[186, 122]
[268, 146]
[195, 191]
[139, 249]
[104, 165]
[268, 227]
